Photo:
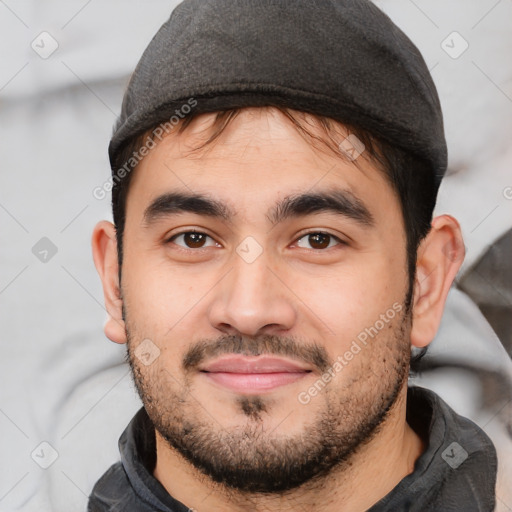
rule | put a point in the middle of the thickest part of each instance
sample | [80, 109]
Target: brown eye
[319, 240]
[194, 240]
[191, 239]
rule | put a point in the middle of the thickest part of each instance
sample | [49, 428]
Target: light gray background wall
[62, 383]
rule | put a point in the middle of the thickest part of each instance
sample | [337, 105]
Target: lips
[253, 374]
[257, 364]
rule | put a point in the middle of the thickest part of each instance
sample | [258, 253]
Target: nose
[252, 299]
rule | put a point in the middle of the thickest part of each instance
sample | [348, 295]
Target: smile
[254, 374]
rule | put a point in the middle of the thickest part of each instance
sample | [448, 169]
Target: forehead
[260, 152]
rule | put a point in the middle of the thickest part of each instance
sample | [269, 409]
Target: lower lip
[254, 382]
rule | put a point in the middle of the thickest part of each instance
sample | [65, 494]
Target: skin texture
[303, 298]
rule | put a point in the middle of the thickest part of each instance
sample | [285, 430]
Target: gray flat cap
[340, 58]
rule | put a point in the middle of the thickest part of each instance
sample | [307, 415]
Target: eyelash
[303, 235]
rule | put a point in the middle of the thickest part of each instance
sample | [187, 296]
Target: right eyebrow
[179, 202]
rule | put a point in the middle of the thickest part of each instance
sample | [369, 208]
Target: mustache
[312, 353]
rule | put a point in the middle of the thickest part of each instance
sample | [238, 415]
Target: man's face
[314, 288]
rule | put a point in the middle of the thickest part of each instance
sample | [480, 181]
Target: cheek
[349, 300]
[162, 290]
[165, 302]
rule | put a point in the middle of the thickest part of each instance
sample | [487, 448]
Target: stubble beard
[251, 458]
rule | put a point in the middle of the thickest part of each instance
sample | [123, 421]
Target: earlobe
[104, 249]
[439, 258]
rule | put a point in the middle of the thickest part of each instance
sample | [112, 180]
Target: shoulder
[460, 463]
[114, 493]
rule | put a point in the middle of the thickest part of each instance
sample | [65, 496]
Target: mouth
[254, 374]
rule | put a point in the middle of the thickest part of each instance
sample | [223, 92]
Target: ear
[439, 258]
[104, 250]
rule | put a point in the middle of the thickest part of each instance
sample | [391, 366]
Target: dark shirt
[456, 472]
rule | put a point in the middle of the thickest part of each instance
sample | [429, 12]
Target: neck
[372, 472]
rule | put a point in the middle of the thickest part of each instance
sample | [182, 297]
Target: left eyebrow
[339, 201]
